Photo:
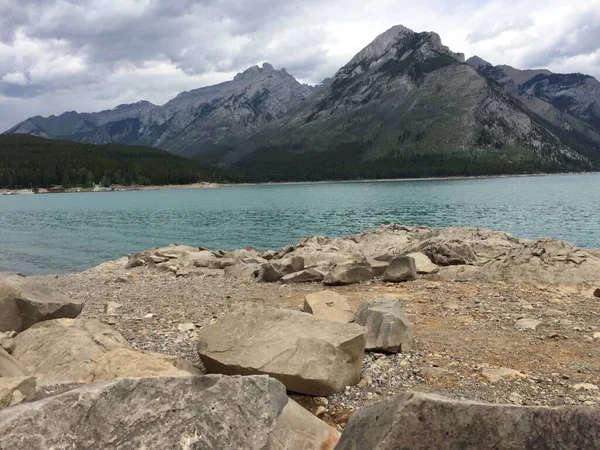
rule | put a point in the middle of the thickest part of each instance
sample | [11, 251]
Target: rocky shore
[343, 324]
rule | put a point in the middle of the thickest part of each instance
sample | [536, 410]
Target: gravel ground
[462, 331]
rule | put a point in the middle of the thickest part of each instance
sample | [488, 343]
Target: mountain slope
[405, 105]
[193, 121]
[30, 161]
[408, 106]
[575, 94]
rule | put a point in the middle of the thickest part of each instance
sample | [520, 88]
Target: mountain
[575, 94]
[406, 105]
[198, 119]
[30, 161]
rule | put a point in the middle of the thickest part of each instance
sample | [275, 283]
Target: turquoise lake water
[58, 233]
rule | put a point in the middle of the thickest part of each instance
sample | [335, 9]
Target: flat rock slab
[414, 421]
[85, 351]
[304, 276]
[329, 305]
[349, 273]
[24, 303]
[206, 412]
[400, 268]
[307, 354]
[385, 324]
[14, 390]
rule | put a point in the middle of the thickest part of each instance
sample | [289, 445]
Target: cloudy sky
[87, 55]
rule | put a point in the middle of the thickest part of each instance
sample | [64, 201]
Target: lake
[58, 233]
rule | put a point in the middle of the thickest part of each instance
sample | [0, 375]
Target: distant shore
[115, 188]
[204, 185]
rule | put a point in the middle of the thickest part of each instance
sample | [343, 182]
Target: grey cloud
[582, 38]
[489, 30]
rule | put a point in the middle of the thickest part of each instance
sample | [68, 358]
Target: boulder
[400, 268]
[6, 342]
[24, 303]
[386, 326]
[349, 273]
[206, 412]
[447, 252]
[423, 264]
[202, 258]
[10, 367]
[269, 273]
[304, 276]
[309, 355]
[413, 421]
[378, 267]
[290, 265]
[241, 270]
[297, 429]
[597, 293]
[85, 351]
[14, 390]
[329, 305]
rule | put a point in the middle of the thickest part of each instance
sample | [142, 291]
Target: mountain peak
[478, 63]
[256, 70]
[399, 48]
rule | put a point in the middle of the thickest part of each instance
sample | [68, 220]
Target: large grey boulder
[14, 390]
[269, 273]
[413, 421]
[328, 305]
[24, 303]
[304, 276]
[289, 265]
[85, 351]
[349, 273]
[378, 266]
[206, 412]
[309, 355]
[400, 268]
[386, 326]
[423, 264]
[448, 252]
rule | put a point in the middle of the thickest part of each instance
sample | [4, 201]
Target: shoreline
[207, 185]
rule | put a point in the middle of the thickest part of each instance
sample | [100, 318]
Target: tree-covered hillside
[28, 161]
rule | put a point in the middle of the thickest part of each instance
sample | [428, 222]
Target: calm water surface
[68, 232]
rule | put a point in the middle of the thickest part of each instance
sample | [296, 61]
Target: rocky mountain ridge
[254, 97]
[405, 105]
[576, 94]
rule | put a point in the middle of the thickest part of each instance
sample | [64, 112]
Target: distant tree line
[348, 162]
[28, 161]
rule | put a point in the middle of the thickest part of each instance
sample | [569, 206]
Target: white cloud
[18, 78]
[85, 55]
